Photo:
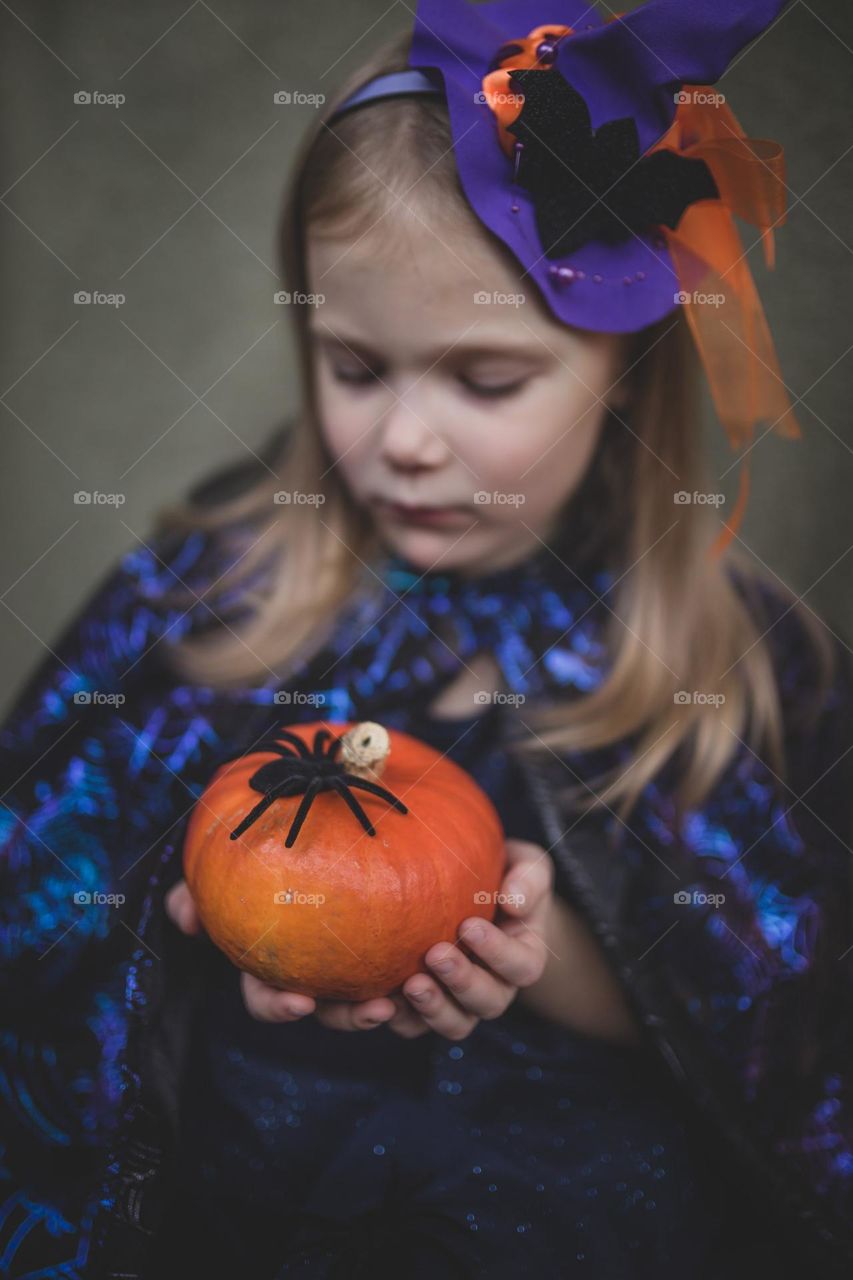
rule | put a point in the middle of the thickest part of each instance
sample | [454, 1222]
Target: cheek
[344, 425]
[546, 449]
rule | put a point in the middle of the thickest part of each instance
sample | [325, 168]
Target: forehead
[423, 289]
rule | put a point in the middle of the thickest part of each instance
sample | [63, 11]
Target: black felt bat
[593, 185]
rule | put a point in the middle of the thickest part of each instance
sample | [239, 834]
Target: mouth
[406, 513]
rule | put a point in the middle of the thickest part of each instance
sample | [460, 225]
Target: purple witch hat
[578, 147]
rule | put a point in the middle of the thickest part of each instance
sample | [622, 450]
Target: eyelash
[364, 377]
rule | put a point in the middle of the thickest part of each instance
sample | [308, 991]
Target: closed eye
[364, 377]
[491, 391]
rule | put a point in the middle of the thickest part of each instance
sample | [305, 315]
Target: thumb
[181, 909]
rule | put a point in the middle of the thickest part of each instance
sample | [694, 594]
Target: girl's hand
[509, 955]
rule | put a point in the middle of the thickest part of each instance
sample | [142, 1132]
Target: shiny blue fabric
[96, 792]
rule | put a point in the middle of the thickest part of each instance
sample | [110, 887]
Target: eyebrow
[474, 348]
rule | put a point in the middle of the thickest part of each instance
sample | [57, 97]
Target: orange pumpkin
[317, 877]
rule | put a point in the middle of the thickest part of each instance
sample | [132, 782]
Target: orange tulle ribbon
[721, 302]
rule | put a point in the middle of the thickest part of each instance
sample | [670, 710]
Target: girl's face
[459, 412]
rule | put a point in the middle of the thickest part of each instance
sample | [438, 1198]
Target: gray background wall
[172, 198]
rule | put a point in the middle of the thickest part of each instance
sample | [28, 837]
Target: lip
[424, 516]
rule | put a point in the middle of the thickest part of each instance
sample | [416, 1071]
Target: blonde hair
[677, 618]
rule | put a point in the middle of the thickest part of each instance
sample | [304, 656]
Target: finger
[345, 1015]
[528, 882]
[406, 1022]
[438, 1009]
[270, 1005]
[475, 989]
[181, 908]
[513, 951]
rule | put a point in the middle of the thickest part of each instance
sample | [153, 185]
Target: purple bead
[546, 52]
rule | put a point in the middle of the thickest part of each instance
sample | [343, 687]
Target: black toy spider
[309, 771]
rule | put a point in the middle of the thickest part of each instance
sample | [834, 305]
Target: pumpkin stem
[365, 749]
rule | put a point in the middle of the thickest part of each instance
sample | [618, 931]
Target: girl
[476, 532]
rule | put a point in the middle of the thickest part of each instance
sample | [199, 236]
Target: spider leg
[353, 781]
[254, 814]
[277, 747]
[295, 740]
[320, 742]
[315, 786]
[342, 789]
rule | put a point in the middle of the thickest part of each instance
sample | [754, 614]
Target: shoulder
[811, 657]
[813, 669]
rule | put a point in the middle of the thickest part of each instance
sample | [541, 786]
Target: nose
[407, 440]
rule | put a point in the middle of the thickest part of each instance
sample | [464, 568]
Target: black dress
[523, 1149]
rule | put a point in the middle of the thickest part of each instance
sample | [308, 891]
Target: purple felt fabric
[630, 67]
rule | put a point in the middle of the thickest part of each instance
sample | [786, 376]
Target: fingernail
[441, 966]
[419, 993]
[474, 933]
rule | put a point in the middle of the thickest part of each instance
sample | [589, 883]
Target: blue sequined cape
[749, 1002]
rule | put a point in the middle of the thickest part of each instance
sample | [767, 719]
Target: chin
[432, 548]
